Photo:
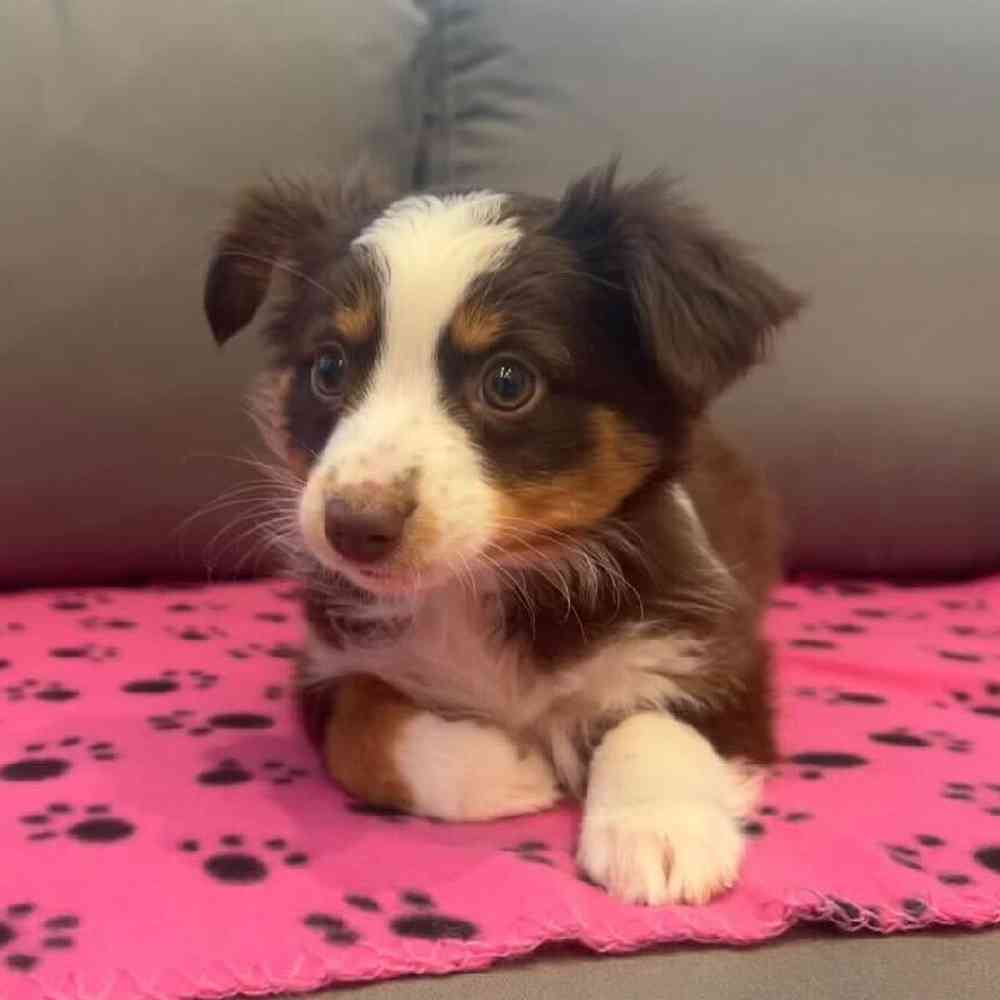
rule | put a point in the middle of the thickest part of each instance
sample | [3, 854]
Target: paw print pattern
[986, 703]
[832, 696]
[233, 864]
[334, 930]
[535, 852]
[428, 923]
[190, 633]
[181, 720]
[755, 828]
[93, 623]
[30, 687]
[815, 764]
[169, 681]
[419, 919]
[903, 736]
[26, 935]
[986, 795]
[42, 763]
[91, 652]
[922, 858]
[229, 771]
[98, 825]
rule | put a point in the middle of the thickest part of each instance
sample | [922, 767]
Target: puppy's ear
[264, 232]
[701, 308]
[283, 226]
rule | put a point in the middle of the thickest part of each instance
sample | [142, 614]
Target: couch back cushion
[856, 145]
[126, 129]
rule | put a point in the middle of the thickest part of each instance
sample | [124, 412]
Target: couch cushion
[126, 129]
[855, 144]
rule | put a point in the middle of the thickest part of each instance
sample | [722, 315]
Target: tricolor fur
[530, 564]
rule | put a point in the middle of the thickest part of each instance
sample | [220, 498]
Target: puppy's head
[470, 379]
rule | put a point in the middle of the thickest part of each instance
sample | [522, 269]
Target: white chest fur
[452, 660]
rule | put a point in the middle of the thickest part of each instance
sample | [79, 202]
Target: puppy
[530, 566]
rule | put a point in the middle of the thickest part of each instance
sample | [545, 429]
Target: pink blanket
[164, 830]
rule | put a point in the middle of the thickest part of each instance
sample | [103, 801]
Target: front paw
[683, 851]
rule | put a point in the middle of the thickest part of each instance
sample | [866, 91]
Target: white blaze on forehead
[426, 251]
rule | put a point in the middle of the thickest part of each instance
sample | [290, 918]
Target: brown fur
[358, 323]
[618, 458]
[360, 739]
[475, 328]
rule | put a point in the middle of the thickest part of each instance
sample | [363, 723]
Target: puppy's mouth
[383, 580]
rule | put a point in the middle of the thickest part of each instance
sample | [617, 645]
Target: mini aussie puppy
[530, 565]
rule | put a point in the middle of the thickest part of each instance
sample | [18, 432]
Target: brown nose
[364, 535]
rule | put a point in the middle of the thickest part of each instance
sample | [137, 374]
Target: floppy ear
[283, 226]
[702, 309]
[263, 233]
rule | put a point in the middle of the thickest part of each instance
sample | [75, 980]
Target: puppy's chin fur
[571, 601]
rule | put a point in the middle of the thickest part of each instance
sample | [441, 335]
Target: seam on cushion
[432, 161]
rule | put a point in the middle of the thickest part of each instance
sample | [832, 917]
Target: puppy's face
[475, 379]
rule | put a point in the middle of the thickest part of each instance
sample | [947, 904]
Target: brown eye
[329, 372]
[509, 385]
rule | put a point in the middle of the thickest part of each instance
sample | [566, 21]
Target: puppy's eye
[509, 385]
[329, 372]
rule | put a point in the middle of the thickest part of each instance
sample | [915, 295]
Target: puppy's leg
[661, 817]
[383, 749]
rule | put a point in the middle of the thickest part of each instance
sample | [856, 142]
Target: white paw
[662, 851]
[470, 771]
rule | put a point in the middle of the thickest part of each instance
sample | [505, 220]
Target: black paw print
[903, 736]
[815, 763]
[181, 719]
[535, 852]
[189, 633]
[808, 642]
[93, 623]
[987, 704]
[54, 691]
[283, 651]
[274, 617]
[21, 923]
[334, 930]
[169, 681]
[959, 656]
[98, 826]
[420, 919]
[232, 865]
[43, 763]
[230, 771]
[987, 795]
[832, 696]
[921, 857]
[12, 628]
[988, 857]
[427, 923]
[757, 827]
[91, 652]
